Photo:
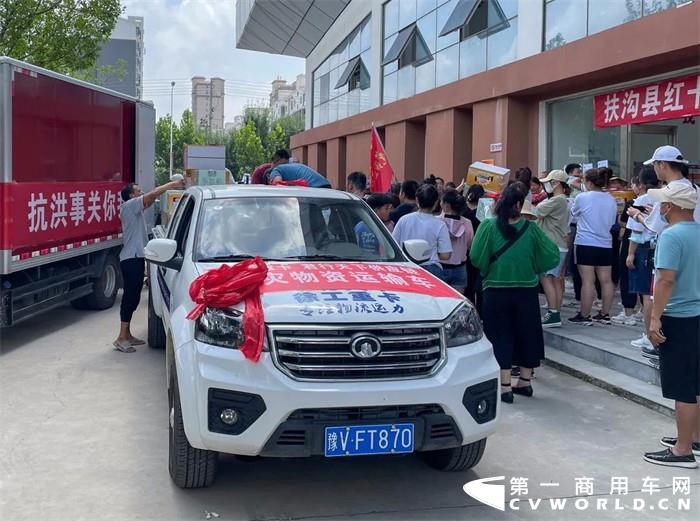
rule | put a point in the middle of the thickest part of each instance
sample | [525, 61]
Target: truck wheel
[156, 331]
[458, 458]
[106, 286]
[189, 467]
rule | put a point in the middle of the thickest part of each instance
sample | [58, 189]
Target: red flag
[380, 171]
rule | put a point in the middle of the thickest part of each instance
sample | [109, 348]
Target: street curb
[615, 389]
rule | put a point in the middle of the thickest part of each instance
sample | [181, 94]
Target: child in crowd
[537, 192]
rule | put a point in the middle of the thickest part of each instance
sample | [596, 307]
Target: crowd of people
[539, 231]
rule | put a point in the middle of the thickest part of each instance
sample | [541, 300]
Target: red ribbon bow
[294, 182]
[229, 285]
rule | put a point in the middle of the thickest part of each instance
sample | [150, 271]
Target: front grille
[382, 413]
[325, 354]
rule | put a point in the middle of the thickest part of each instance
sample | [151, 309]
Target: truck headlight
[220, 327]
[463, 327]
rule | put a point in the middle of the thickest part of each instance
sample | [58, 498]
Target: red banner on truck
[50, 214]
[669, 99]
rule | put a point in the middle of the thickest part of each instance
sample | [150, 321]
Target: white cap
[666, 153]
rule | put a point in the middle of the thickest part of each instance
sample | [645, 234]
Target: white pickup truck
[365, 353]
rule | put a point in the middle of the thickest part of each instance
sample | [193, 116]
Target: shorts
[679, 358]
[593, 256]
[556, 271]
[455, 276]
[641, 278]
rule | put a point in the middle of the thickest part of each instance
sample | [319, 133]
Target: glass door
[644, 139]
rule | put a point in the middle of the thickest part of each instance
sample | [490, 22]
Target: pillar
[448, 144]
[335, 162]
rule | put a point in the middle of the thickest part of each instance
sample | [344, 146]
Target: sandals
[123, 346]
[508, 396]
[136, 342]
[525, 390]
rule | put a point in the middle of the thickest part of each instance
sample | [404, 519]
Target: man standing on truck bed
[132, 258]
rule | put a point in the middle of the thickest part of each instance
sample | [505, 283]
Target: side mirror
[417, 250]
[163, 252]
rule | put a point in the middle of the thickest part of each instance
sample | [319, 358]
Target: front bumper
[470, 374]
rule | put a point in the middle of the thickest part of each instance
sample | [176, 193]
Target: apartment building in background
[208, 103]
[521, 82]
[124, 51]
[287, 99]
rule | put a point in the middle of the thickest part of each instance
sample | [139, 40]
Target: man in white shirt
[424, 225]
[670, 168]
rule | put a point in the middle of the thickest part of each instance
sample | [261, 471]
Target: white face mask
[548, 187]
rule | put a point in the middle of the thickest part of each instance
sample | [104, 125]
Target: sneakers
[669, 441]
[551, 319]
[639, 316]
[580, 319]
[602, 319]
[622, 319]
[642, 342]
[650, 352]
[667, 458]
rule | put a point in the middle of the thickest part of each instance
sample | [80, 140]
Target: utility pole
[211, 110]
[172, 120]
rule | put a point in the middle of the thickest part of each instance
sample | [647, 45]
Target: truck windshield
[290, 228]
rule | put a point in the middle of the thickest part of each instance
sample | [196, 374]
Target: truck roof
[226, 191]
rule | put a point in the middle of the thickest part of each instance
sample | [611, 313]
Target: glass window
[443, 13]
[425, 77]
[407, 12]
[428, 29]
[391, 18]
[323, 115]
[366, 37]
[407, 82]
[290, 227]
[573, 139]
[654, 6]
[564, 22]
[394, 65]
[509, 8]
[333, 110]
[472, 56]
[604, 14]
[447, 66]
[317, 90]
[502, 46]
[478, 22]
[390, 87]
[425, 6]
[353, 103]
[354, 43]
[325, 87]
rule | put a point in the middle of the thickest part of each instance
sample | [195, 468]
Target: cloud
[198, 38]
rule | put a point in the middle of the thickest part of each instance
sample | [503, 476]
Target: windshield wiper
[235, 257]
[324, 256]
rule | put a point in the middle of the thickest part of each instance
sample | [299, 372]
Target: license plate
[358, 440]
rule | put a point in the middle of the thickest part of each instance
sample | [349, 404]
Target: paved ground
[84, 436]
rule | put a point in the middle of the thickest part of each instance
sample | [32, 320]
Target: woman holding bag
[511, 252]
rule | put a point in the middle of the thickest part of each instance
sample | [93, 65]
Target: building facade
[449, 82]
[122, 55]
[287, 99]
[208, 103]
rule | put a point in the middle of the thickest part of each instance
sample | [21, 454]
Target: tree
[248, 149]
[261, 118]
[60, 35]
[276, 139]
[291, 124]
[189, 135]
[163, 149]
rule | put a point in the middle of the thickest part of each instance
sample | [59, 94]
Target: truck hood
[338, 293]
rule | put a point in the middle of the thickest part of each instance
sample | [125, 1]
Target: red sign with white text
[353, 276]
[669, 99]
[47, 214]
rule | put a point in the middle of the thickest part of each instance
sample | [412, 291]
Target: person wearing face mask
[675, 320]
[553, 218]
[595, 212]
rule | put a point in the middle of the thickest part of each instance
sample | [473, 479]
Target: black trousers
[513, 325]
[629, 300]
[132, 274]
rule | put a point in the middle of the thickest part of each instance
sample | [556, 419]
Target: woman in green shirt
[510, 253]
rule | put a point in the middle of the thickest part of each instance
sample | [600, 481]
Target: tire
[189, 467]
[456, 459]
[106, 286]
[156, 331]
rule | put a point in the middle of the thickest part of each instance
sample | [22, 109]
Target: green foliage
[101, 74]
[248, 149]
[60, 35]
[261, 117]
[291, 124]
[276, 139]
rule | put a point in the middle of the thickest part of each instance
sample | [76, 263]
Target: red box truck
[66, 150]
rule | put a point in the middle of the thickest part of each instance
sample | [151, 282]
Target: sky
[185, 38]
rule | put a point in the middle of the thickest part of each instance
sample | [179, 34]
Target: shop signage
[669, 99]
[496, 147]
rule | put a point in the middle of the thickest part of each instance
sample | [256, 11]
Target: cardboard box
[622, 197]
[207, 177]
[168, 203]
[492, 178]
